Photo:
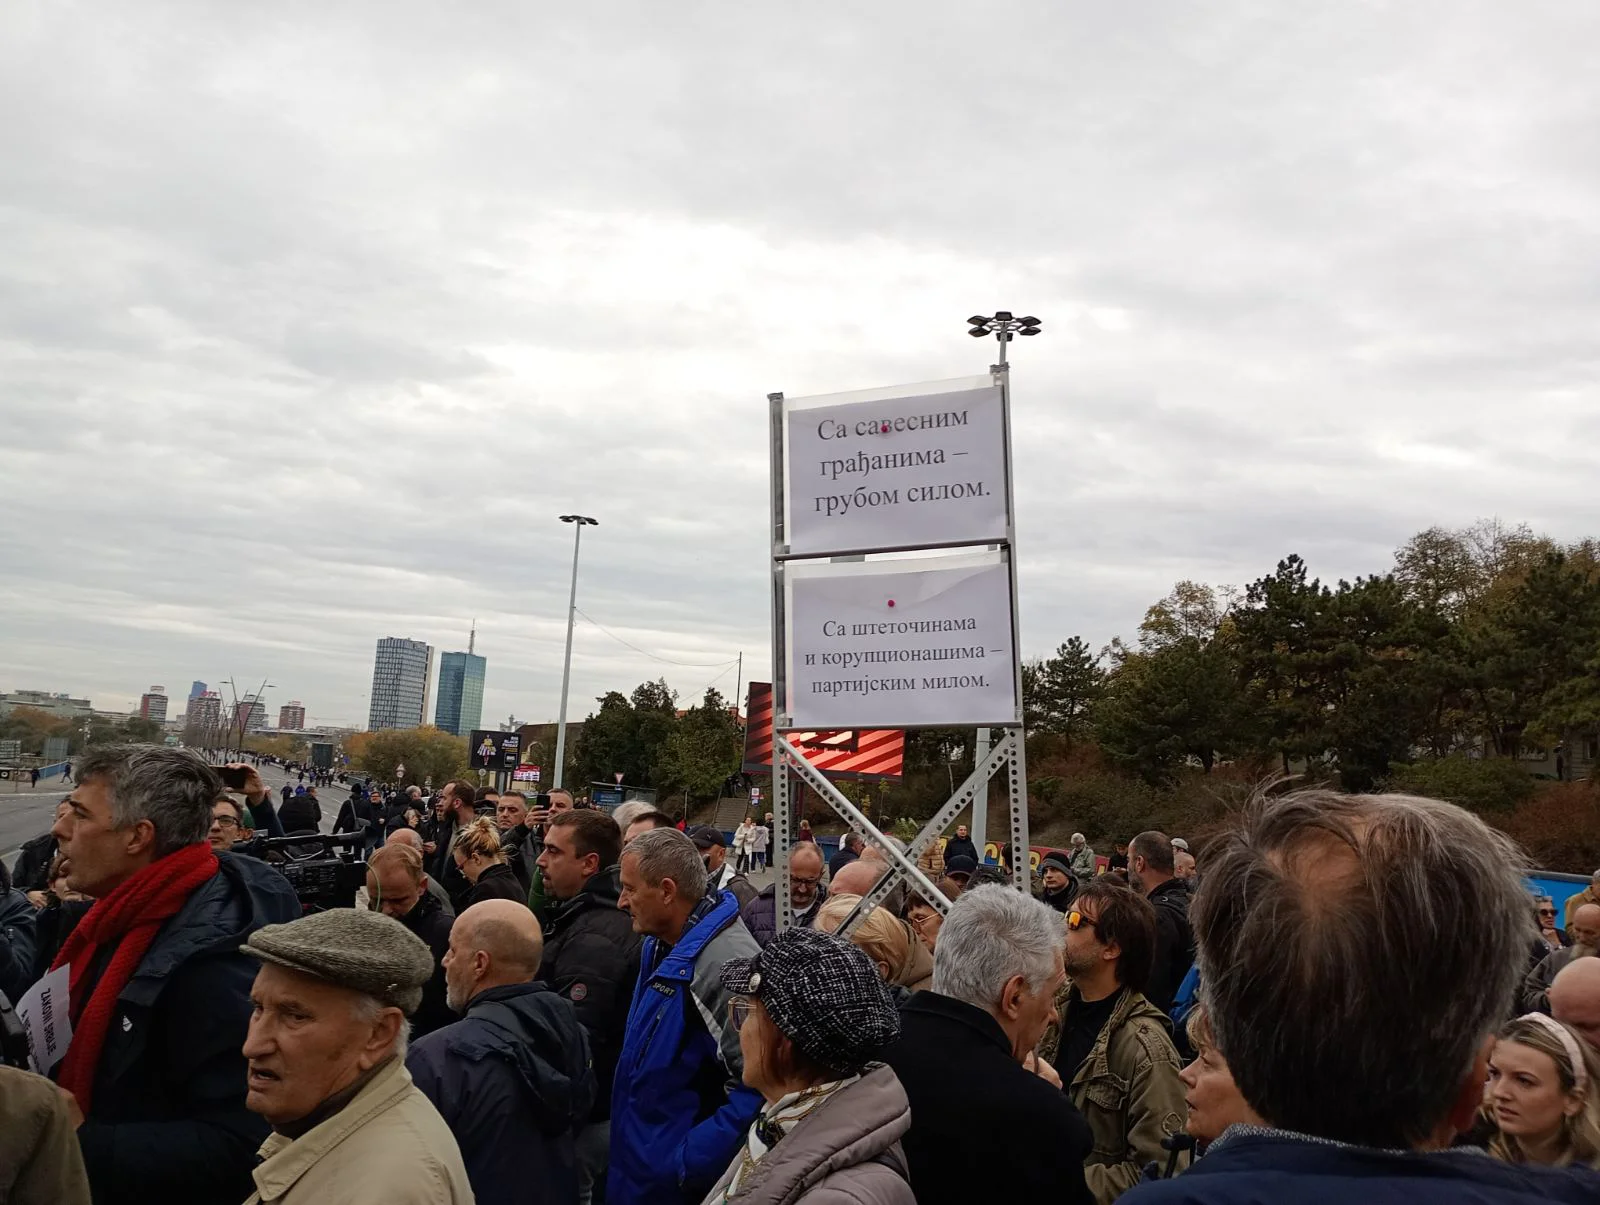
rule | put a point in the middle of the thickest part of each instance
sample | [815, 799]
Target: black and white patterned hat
[823, 994]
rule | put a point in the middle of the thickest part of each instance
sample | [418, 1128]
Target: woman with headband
[1542, 1095]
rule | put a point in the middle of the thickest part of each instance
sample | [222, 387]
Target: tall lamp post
[579, 522]
[1004, 328]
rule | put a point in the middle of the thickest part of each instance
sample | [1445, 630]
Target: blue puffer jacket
[679, 1109]
[1250, 1166]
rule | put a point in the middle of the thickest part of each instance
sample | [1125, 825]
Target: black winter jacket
[168, 1121]
[591, 957]
[18, 944]
[497, 882]
[33, 863]
[1174, 943]
[302, 814]
[975, 1109]
[513, 1081]
[358, 816]
[431, 921]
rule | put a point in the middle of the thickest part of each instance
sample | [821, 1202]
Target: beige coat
[39, 1159]
[389, 1144]
[1589, 895]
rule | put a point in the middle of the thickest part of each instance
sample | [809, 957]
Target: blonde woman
[902, 960]
[481, 859]
[1214, 1100]
[1543, 1095]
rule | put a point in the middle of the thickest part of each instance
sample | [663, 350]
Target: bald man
[1575, 998]
[512, 1077]
[1584, 929]
[410, 836]
[857, 878]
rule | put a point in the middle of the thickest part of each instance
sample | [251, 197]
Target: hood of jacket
[241, 897]
[859, 1124]
[603, 890]
[535, 1031]
[916, 970]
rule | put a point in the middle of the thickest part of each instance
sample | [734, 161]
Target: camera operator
[237, 776]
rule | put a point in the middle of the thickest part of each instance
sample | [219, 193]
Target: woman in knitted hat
[812, 1013]
[1543, 1095]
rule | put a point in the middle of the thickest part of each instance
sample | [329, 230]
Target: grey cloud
[312, 320]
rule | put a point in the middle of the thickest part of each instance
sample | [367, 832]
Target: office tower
[153, 705]
[292, 715]
[401, 676]
[461, 677]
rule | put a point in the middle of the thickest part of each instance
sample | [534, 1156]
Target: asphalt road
[25, 814]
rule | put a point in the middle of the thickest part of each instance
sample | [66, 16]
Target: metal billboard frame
[1009, 753]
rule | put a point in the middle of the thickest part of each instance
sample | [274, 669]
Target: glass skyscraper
[460, 708]
[401, 675]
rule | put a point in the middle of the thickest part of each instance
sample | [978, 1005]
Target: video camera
[325, 869]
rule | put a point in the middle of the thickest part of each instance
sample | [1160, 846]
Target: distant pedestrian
[758, 847]
[33, 777]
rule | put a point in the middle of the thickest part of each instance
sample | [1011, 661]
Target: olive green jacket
[1127, 1090]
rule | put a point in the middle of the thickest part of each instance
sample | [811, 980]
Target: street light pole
[579, 522]
[1004, 328]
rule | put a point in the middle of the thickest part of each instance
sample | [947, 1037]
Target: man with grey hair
[679, 1108]
[158, 989]
[961, 1054]
[1357, 953]
[326, 1051]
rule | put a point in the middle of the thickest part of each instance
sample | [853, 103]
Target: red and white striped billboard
[865, 753]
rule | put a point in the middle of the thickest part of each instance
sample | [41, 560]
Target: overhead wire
[722, 665]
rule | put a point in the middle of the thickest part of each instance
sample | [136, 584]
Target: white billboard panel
[900, 644]
[914, 471]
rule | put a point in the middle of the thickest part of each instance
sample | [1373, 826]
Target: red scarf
[129, 919]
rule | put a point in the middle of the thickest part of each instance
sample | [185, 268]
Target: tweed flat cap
[822, 993]
[363, 951]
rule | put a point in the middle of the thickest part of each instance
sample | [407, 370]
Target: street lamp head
[581, 520]
[1003, 326]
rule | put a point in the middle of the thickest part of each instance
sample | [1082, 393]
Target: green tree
[702, 750]
[1059, 692]
[429, 754]
[1170, 705]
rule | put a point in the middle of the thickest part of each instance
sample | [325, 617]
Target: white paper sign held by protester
[46, 1015]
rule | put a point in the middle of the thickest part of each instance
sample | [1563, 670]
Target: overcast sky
[314, 317]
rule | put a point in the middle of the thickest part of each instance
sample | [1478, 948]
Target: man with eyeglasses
[591, 956]
[807, 893]
[229, 827]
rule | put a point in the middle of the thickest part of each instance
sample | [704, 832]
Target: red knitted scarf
[128, 919]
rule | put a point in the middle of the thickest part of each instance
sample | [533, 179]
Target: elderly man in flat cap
[326, 1051]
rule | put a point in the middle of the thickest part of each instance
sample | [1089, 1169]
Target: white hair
[992, 934]
[366, 1009]
[626, 813]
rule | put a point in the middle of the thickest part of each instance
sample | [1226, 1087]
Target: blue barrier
[1559, 887]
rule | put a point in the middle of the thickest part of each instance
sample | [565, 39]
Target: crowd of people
[1337, 997]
